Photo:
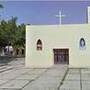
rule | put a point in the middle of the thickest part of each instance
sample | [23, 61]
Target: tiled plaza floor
[15, 76]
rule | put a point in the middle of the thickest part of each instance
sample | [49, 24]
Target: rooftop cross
[60, 16]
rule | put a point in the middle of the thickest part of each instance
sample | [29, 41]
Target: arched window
[82, 43]
[39, 45]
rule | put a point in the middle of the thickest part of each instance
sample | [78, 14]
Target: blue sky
[43, 12]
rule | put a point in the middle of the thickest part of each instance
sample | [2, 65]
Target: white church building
[47, 45]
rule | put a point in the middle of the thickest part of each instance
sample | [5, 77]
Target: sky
[44, 12]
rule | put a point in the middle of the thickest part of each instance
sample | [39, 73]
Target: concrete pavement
[15, 76]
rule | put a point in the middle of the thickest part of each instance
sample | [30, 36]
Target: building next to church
[47, 45]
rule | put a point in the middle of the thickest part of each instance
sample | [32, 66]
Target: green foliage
[12, 33]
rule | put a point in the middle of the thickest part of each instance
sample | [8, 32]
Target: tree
[21, 35]
[12, 29]
[11, 33]
[3, 34]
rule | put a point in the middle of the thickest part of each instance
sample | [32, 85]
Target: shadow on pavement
[5, 59]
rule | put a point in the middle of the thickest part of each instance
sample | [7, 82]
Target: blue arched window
[82, 43]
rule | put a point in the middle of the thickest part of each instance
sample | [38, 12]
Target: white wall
[57, 36]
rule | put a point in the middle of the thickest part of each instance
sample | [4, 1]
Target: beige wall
[57, 36]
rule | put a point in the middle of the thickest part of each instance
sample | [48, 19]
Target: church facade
[47, 45]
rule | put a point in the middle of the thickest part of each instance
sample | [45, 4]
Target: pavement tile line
[63, 78]
[46, 88]
[25, 84]
[80, 79]
[10, 89]
[34, 79]
[82, 71]
[14, 77]
[6, 70]
[2, 67]
[9, 80]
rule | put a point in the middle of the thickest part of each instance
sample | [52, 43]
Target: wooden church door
[61, 56]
